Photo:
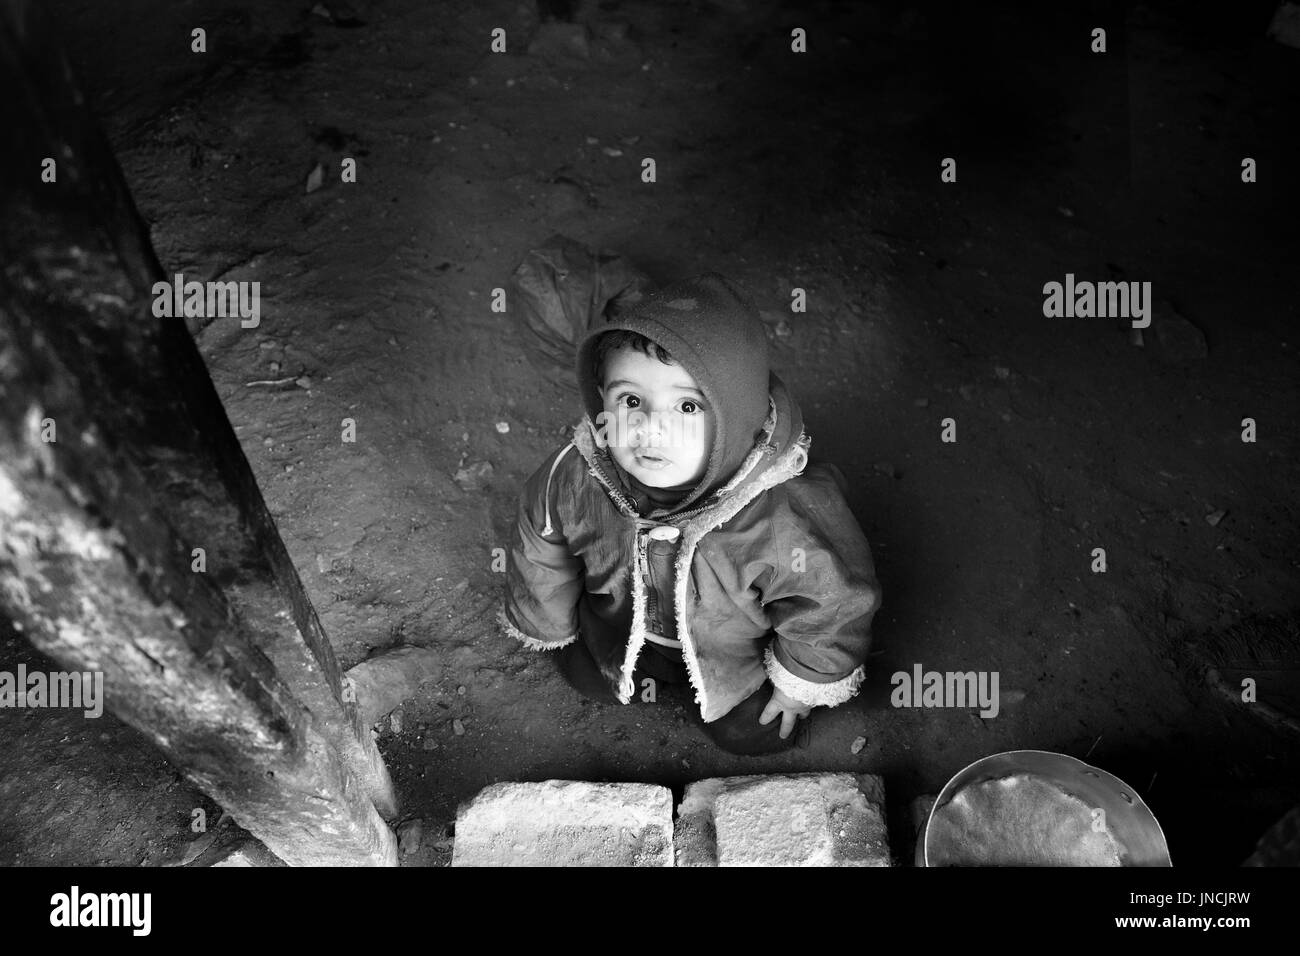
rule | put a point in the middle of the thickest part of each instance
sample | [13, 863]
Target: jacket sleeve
[544, 579]
[820, 596]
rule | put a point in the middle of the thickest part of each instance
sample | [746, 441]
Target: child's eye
[631, 401]
[690, 407]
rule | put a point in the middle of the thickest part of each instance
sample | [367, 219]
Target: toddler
[679, 536]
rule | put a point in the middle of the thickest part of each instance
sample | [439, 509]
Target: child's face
[655, 421]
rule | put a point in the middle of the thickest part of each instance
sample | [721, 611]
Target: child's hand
[789, 709]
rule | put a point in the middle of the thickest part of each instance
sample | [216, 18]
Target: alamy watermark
[633, 428]
[79, 690]
[76, 909]
[208, 300]
[1086, 300]
[922, 688]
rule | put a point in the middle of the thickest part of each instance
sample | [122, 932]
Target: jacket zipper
[642, 552]
[643, 569]
[646, 570]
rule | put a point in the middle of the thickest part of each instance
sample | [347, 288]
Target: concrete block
[566, 823]
[805, 819]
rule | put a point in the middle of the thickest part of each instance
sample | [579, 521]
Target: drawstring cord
[555, 464]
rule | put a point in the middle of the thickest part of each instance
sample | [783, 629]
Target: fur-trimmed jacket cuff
[531, 642]
[808, 692]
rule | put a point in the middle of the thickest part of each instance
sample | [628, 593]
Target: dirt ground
[925, 302]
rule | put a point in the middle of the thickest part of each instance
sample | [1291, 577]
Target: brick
[566, 823]
[807, 819]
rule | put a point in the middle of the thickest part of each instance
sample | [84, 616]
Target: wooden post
[116, 462]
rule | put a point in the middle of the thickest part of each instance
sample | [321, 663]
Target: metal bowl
[1133, 824]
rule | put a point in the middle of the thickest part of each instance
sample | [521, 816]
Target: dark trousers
[738, 731]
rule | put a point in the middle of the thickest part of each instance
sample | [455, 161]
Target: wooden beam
[227, 670]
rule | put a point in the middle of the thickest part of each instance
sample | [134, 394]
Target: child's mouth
[651, 461]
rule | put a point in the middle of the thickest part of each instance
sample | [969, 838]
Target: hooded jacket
[763, 566]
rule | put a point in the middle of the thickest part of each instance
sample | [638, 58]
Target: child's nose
[653, 432]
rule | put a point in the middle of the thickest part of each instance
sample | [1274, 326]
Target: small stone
[857, 745]
[555, 40]
[409, 835]
[316, 178]
[384, 681]
[1178, 339]
[1002, 372]
[247, 853]
[783, 330]
[430, 744]
[323, 564]
[503, 428]
[198, 848]
[1065, 211]
[274, 367]
[611, 151]
[395, 721]
[473, 477]
[1214, 517]
[461, 690]
[458, 727]
[303, 381]
[592, 141]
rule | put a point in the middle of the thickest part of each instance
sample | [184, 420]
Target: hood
[711, 328]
